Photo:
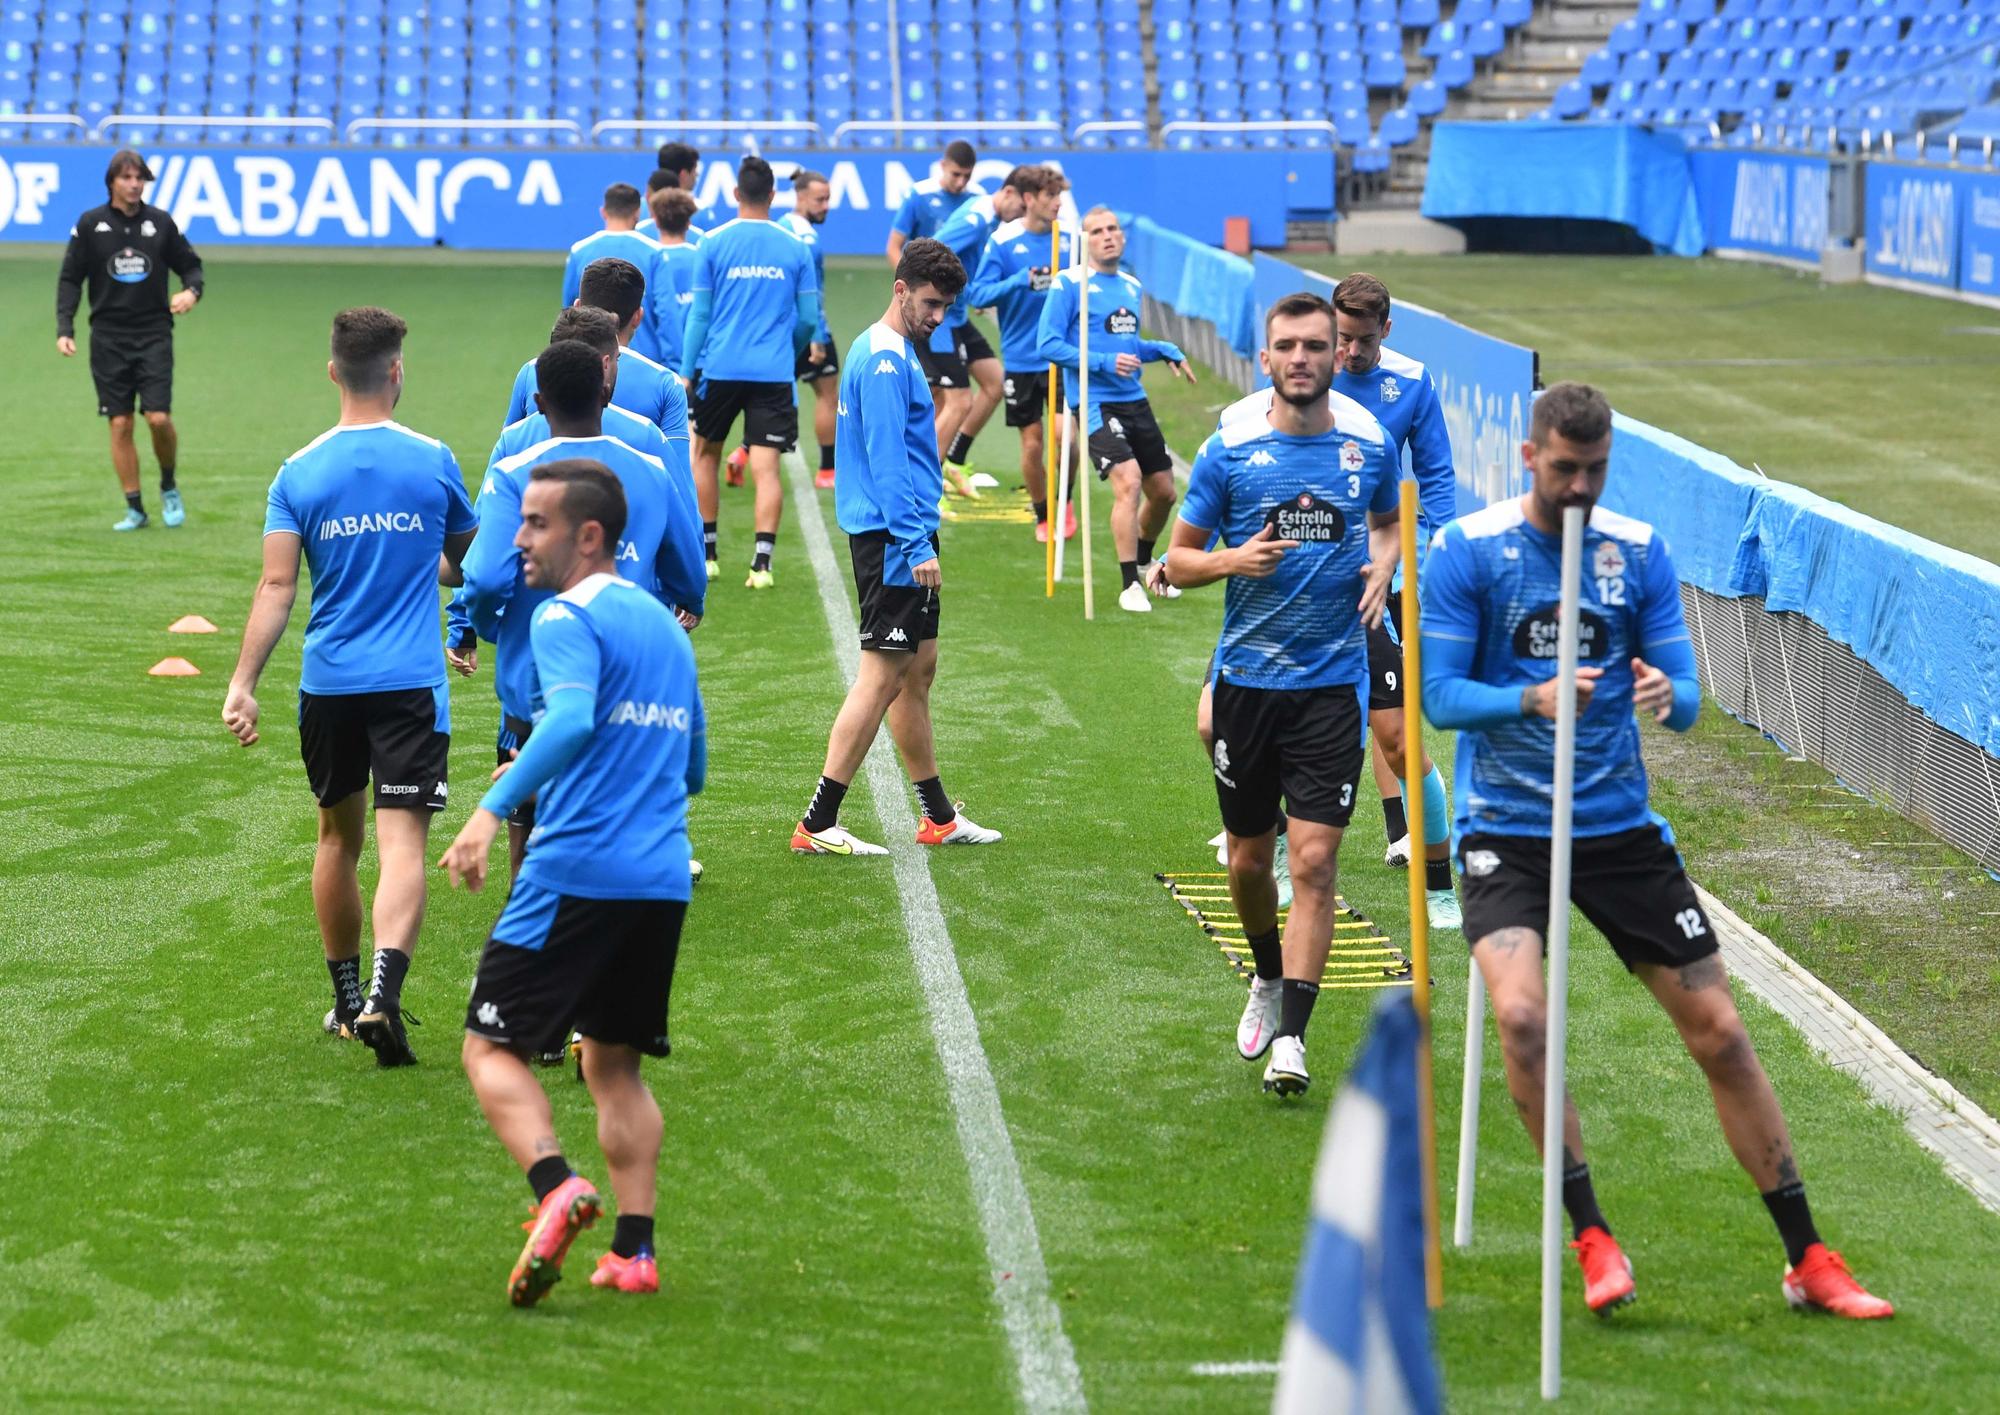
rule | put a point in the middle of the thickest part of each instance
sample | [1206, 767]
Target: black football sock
[1269, 957]
[960, 449]
[166, 479]
[1295, 1007]
[1042, 512]
[826, 456]
[708, 538]
[937, 806]
[385, 988]
[1145, 552]
[1128, 573]
[823, 813]
[1580, 1200]
[766, 542]
[545, 1176]
[1437, 873]
[1793, 1216]
[346, 974]
[1393, 820]
[137, 502]
[633, 1235]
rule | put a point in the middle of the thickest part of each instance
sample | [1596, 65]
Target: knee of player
[1523, 1028]
[1313, 862]
[1388, 727]
[1721, 1045]
[1251, 855]
[157, 419]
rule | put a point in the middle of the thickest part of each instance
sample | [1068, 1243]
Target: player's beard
[1317, 394]
[913, 320]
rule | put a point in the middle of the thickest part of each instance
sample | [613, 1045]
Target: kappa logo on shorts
[1116, 428]
[489, 1015]
[1007, 386]
[443, 791]
[897, 636]
[1481, 863]
[1222, 764]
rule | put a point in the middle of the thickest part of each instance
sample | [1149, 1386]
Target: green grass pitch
[206, 1202]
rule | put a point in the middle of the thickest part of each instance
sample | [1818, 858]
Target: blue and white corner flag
[1359, 1339]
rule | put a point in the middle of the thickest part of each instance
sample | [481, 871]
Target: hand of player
[1156, 578]
[465, 858]
[1375, 578]
[465, 661]
[689, 620]
[816, 353]
[1652, 690]
[239, 714]
[928, 575]
[1126, 365]
[1182, 370]
[1258, 556]
[181, 303]
[66, 346]
[1540, 700]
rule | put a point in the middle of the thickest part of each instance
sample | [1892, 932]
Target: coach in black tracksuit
[123, 251]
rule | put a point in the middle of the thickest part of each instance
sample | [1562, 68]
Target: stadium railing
[1108, 125]
[158, 120]
[932, 125]
[1248, 127]
[45, 120]
[678, 125]
[420, 125]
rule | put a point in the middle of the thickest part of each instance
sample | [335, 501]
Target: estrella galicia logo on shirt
[1538, 636]
[1121, 321]
[336, 527]
[129, 266]
[1307, 519]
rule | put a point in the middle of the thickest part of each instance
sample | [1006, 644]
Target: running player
[599, 329]
[756, 307]
[671, 295]
[820, 363]
[959, 347]
[1013, 278]
[1306, 500]
[1124, 439]
[592, 928]
[372, 506]
[1490, 591]
[886, 500]
[934, 198]
[621, 212]
[642, 386]
[660, 550]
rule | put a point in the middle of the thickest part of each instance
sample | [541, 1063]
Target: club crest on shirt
[1608, 563]
[1307, 519]
[1121, 321]
[1350, 456]
[1538, 635]
[146, 228]
[1391, 390]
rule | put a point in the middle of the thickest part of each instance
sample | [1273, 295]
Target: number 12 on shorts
[1690, 922]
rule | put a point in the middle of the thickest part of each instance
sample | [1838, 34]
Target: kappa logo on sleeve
[885, 366]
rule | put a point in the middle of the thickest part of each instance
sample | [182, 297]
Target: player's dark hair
[366, 341]
[960, 154]
[1576, 410]
[1027, 179]
[672, 210]
[678, 157]
[591, 492]
[621, 199]
[612, 284]
[570, 377]
[755, 182]
[661, 178]
[931, 262]
[804, 177]
[589, 325]
[1297, 306]
[1362, 296]
[124, 160]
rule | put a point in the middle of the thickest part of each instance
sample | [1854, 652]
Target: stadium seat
[1454, 69]
[1384, 69]
[1572, 100]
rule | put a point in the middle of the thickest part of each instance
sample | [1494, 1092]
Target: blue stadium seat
[1399, 127]
[1572, 100]
[1454, 69]
[1351, 127]
[1417, 14]
[1378, 12]
[1385, 68]
[1638, 65]
[1626, 36]
[1344, 67]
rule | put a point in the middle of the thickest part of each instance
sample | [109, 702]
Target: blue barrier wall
[1485, 384]
[1934, 228]
[546, 200]
[1768, 204]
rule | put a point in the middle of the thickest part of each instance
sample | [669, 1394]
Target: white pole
[1083, 424]
[1061, 518]
[1558, 1025]
[1468, 1106]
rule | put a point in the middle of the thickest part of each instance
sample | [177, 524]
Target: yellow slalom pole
[1049, 437]
[1420, 943]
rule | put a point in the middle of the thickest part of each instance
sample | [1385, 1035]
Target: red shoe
[1041, 533]
[640, 1274]
[738, 460]
[571, 1207]
[1607, 1272]
[959, 830]
[1069, 523]
[1821, 1281]
[823, 479]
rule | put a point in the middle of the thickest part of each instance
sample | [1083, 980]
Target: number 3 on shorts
[1690, 922]
[1346, 795]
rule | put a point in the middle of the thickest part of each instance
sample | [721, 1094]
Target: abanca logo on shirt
[334, 527]
[754, 272]
[636, 714]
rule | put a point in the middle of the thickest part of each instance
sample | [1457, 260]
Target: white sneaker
[1397, 857]
[1281, 870]
[1442, 906]
[1260, 1018]
[1287, 1072]
[1221, 844]
[1147, 576]
[1134, 598]
[694, 871]
[834, 840]
[961, 829]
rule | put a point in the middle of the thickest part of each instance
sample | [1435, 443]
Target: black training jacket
[125, 259]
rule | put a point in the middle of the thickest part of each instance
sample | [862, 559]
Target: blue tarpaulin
[1196, 279]
[1587, 171]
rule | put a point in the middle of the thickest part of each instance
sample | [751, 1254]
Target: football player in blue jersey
[1305, 499]
[621, 212]
[592, 928]
[641, 386]
[1491, 587]
[379, 512]
[934, 198]
[958, 357]
[1124, 439]
[819, 365]
[679, 170]
[673, 294]
[886, 499]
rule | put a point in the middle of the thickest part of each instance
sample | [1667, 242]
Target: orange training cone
[174, 668]
[191, 624]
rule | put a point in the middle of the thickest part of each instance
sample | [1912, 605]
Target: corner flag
[1359, 1338]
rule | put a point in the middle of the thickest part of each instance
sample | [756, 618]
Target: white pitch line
[1234, 1368]
[1044, 1361]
